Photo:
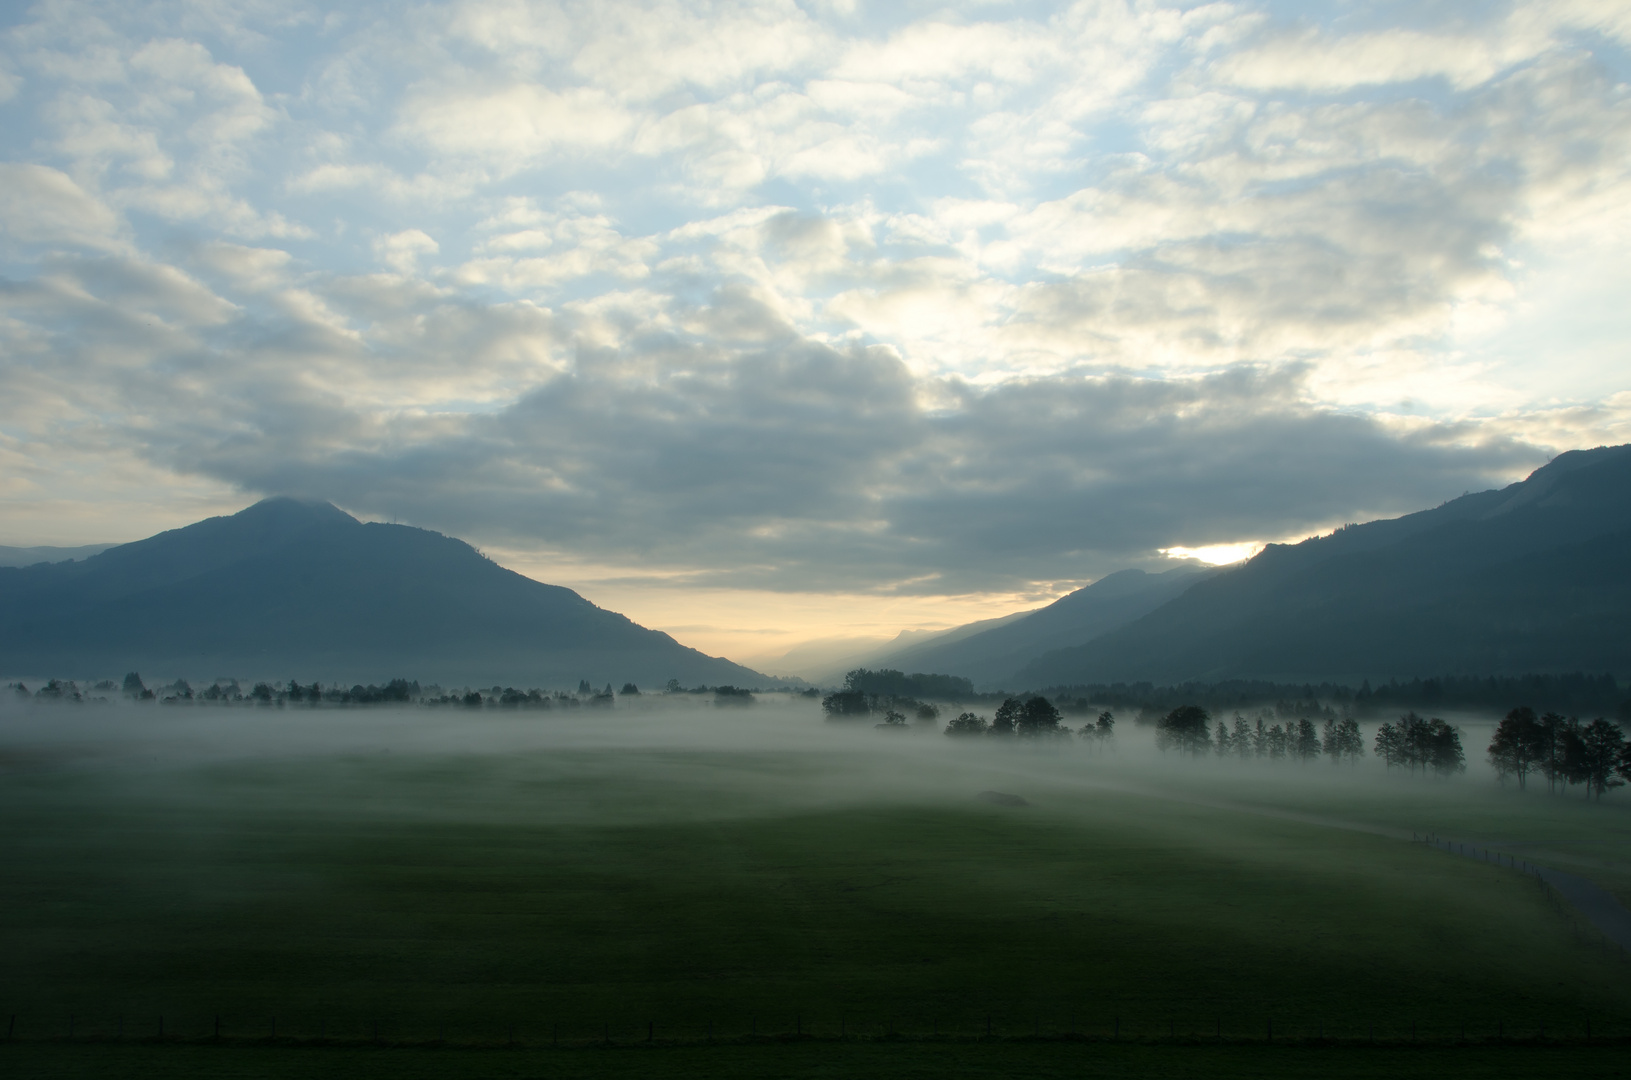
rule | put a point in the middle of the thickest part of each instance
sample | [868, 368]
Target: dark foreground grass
[610, 896]
[853, 1061]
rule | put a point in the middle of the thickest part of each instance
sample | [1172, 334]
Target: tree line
[891, 696]
[1576, 693]
[1030, 718]
[1562, 749]
[228, 692]
[1188, 730]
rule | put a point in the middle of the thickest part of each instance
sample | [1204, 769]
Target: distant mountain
[993, 652]
[293, 589]
[28, 556]
[1534, 577]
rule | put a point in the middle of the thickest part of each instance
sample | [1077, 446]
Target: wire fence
[268, 1031]
[1596, 917]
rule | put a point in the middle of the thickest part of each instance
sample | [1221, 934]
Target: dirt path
[1596, 904]
[1600, 907]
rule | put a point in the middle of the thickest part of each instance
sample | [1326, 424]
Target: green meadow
[508, 902]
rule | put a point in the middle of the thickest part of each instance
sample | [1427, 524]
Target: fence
[266, 1031]
[1569, 894]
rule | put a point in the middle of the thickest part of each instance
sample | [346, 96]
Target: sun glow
[1215, 554]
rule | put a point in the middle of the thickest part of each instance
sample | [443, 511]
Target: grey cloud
[808, 467]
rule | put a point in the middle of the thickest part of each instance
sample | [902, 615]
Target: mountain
[1534, 577]
[28, 556]
[292, 589]
[992, 652]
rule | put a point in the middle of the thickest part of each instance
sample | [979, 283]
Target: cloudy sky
[776, 320]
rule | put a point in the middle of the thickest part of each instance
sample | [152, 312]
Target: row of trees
[1188, 730]
[1576, 693]
[1029, 718]
[1561, 749]
[1414, 743]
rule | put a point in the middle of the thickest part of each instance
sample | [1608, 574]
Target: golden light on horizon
[1215, 554]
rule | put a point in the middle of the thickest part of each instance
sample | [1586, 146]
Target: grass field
[679, 876]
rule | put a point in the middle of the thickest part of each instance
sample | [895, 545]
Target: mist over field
[778, 755]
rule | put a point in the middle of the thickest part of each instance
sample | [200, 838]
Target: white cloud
[40, 205]
[515, 124]
[401, 251]
[818, 290]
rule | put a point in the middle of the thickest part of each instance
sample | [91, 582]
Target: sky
[769, 322]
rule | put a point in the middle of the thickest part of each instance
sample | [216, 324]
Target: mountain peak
[289, 509]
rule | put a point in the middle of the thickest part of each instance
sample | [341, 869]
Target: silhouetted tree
[1241, 741]
[1006, 718]
[1601, 743]
[1549, 759]
[733, 696]
[1342, 741]
[1276, 739]
[1304, 740]
[967, 724]
[630, 690]
[1038, 718]
[1185, 729]
[843, 704]
[1422, 744]
[1444, 753]
[1105, 726]
[1221, 741]
[1570, 761]
[133, 685]
[1389, 745]
[1518, 744]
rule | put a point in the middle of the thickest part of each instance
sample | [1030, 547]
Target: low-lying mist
[683, 753]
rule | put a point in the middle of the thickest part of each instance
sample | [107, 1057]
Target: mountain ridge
[297, 588]
[1512, 580]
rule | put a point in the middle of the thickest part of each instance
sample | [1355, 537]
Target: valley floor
[679, 876]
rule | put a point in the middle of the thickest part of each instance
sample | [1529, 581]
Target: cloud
[401, 251]
[517, 123]
[41, 205]
[815, 296]
[722, 443]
